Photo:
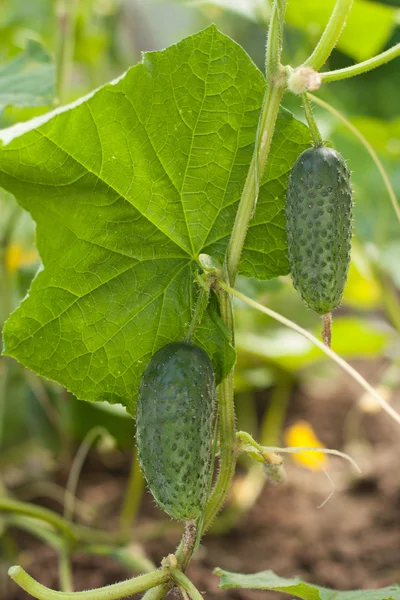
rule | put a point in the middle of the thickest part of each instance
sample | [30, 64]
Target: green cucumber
[319, 227]
[174, 428]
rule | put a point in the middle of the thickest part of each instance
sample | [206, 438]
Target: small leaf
[267, 580]
[302, 434]
[28, 79]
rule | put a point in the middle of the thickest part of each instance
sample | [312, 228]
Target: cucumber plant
[150, 196]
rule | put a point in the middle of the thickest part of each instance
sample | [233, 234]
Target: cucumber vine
[212, 280]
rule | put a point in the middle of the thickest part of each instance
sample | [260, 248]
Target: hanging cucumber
[174, 425]
[319, 227]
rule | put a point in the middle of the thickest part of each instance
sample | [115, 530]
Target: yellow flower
[302, 434]
[17, 256]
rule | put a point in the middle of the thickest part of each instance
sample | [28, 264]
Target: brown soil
[351, 542]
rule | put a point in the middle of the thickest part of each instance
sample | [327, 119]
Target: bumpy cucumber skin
[174, 428]
[319, 227]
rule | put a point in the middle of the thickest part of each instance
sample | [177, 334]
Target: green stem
[183, 555]
[200, 307]
[157, 593]
[186, 584]
[327, 351]
[76, 468]
[311, 122]
[133, 495]
[367, 146]
[45, 534]
[66, 11]
[130, 557]
[227, 432]
[71, 531]
[110, 592]
[64, 566]
[362, 67]
[40, 513]
[274, 416]
[274, 41]
[330, 35]
[269, 113]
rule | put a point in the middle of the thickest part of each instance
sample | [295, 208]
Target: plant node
[170, 562]
[303, 79]
[273, 467]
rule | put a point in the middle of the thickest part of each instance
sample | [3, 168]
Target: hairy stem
[227, 433]
[362, 67]
[269, 113]
[186, 584]
[330, 35]
[157, 593]
[311, 122]
[110, 592]
[198, 313]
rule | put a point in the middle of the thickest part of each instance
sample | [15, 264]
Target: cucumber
[174, 428]
[319, 227]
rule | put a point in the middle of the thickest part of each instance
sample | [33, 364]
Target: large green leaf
[127, 187]
[267, 580]
[28, 79]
